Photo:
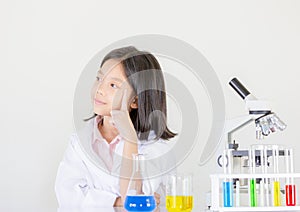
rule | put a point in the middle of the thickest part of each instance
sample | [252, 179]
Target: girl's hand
[121, 120]
[157, 198]
[120, 116]
[118, 202]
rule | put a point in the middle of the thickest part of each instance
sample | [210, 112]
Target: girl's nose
[99, 92]
[100, 88]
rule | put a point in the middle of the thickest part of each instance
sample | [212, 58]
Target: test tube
[290, 187]
[266, 180]
[276, 183]
[252, 181]
[227, 183]
[262, 181]
[261, 193]
[237, 193]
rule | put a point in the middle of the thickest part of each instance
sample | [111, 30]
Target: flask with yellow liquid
[179, 197]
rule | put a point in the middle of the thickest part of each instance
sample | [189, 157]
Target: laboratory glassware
[227, 182]
[179, 196]
[252, 181]
[276, 182]
[259, 165]
[290, 187]
[140, 196]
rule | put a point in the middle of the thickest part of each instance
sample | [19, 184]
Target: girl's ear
[134, 103]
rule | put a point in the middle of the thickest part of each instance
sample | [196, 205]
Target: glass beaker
[140, 196]
[179, 196]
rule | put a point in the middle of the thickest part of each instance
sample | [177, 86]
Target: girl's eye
[98, 78]
[113, 85]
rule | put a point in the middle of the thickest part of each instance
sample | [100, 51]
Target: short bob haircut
[145, 76]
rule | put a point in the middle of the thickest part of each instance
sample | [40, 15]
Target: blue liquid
[227, 194]
[139, 203]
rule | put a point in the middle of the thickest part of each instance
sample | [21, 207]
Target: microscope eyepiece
[239, 88]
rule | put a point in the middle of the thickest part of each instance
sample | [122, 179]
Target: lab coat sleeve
[74, 186]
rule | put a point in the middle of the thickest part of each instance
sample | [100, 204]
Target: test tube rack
[216, 192]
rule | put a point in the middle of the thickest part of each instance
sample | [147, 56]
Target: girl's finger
[111, 121]
[157, 198]
[157, 201]
[157, 195]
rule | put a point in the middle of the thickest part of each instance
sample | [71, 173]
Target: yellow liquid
[179, 203]
[277, 199]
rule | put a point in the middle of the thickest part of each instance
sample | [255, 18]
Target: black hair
[145, 76]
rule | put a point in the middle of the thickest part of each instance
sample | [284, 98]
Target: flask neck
[139, 182]
[139, 163]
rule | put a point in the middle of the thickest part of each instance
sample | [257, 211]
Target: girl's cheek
[93, 92]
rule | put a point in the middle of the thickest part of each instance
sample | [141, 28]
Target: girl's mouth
[98, 102]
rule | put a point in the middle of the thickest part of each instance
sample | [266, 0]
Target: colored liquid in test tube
[276, 183]
[227, 183]
[228, 193]
[277, 199]
[252, 182]
[290, 187]
[258, 187]
[290, 192]
[253, 197]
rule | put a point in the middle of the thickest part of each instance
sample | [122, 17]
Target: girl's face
[110, 80]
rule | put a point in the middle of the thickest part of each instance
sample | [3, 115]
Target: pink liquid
[290, 195]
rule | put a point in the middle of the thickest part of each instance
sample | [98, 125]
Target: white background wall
[46, 44]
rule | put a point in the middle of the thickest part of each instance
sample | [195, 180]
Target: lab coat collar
[85, 140]
[97, 135]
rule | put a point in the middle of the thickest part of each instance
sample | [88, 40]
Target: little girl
[130, 117]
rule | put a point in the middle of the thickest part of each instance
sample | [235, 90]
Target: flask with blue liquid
[140, 196]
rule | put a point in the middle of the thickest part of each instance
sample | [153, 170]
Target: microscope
[259, 112]
[266, 122]
[251, 180]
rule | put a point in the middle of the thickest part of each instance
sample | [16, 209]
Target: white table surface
[115, 209]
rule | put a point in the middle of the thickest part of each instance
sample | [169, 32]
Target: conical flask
[140, 196]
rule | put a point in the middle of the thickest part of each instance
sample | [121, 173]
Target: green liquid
[253, 198]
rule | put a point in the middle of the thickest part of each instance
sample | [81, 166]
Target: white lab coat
[80, 181]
